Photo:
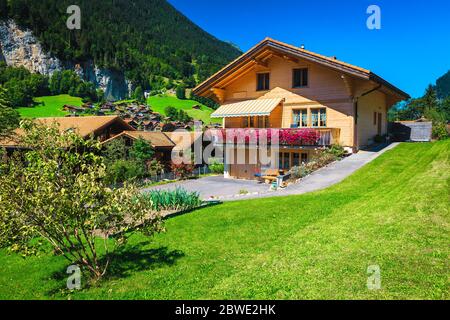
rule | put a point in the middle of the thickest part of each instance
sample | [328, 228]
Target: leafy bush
[124, 170]
[154, 167]
[215, 166]
[321, 159]
[173, 200]
[181, 92]
[141, 151]
[182, 170]
[300, 171]
[60, 194]
[337, 150]
[177, 115]
[440, 131]
[9, 118]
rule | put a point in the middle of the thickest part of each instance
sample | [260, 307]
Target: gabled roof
[156, 139]
[84, 126]
[183, 140]
[296, 52]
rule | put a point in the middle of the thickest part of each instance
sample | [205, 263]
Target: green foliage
[393, 212]
[21, 85]
[158, 103]
[321, 158]
[114, 150]
[9, 118]
[121, 171]
[181, 92]
[60, 194]
[125, 163]
[177, 114]
[171, 112]
[68, 82]
[182, 170]
[206, 101]
[415, 109]
[443, 86]
[336, 150]
[49, 106]
[215, 166]
[439, 131]
[139, 94]
[141, 151]
[148, 39]
[177, 199]
[300, 171]
[3, 9]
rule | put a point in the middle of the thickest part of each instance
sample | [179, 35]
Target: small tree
[59, 194]
[181, 92]
[9, 118]
[139, 94]
[171, 112]
[141, 151]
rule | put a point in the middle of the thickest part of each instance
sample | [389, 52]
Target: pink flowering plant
[304, 136]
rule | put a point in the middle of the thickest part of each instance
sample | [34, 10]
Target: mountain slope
[152, 43]
[443, 86]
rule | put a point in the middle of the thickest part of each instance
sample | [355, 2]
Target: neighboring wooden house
[277, 85]
[73, 109]
[161, 143]
[102, 128]
[185, 143]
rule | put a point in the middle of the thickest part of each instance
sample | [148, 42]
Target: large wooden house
[277, 85]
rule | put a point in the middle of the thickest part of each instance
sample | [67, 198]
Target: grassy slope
[51, 107]
[159, 103]
[394, 212]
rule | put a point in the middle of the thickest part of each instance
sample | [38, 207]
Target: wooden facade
[345, 102]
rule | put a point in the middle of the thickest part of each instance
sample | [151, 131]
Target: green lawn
[394, 213]
[51, 107]
[159, 103]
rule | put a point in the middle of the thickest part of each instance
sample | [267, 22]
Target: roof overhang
[258, 107]
[268, 47]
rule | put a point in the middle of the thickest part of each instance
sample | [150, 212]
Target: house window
[295, 159]
[300, 118]
[245, 122]
[284, 161]
[304, 157]
[319, 117]
[260, 122]
[249, 122]
[252, 122]
[300, 78]
[299, 158]
[266, 122]
[262, 81]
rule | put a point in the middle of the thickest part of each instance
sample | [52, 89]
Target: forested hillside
[154, 44]
[443, 86]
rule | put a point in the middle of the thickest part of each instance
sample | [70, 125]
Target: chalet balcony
[315, 137]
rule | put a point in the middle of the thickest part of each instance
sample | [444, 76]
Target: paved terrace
[219, 188]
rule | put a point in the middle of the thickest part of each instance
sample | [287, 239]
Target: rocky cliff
[18, 47]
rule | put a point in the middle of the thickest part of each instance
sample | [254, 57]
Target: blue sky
[411, 50]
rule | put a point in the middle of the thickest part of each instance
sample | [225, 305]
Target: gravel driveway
[217, 187]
